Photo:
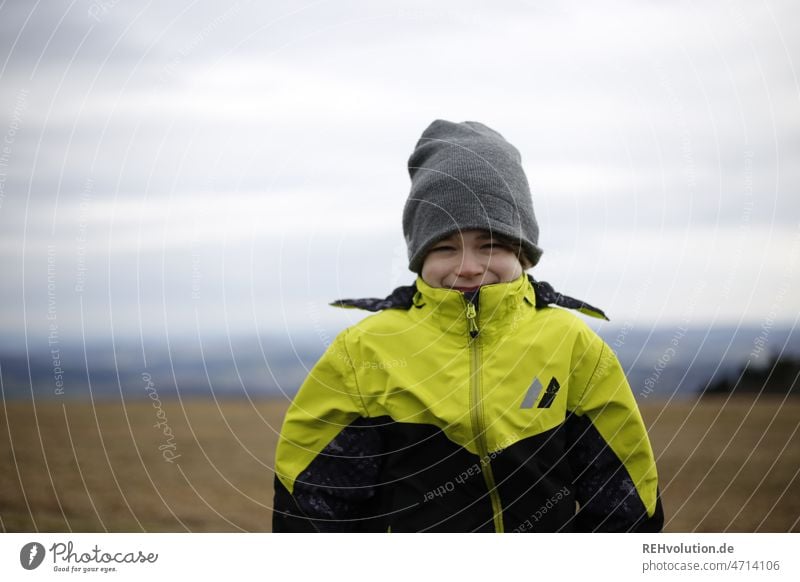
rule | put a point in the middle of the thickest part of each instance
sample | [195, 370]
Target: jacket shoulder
[566, 321]
[383, 322]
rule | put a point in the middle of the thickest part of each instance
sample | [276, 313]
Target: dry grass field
[725, 465]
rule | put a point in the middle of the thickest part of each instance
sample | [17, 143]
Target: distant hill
[660, 362]
[781, 375]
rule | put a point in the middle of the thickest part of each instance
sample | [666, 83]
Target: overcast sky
[235, 166]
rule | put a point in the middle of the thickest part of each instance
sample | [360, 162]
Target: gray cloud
[650, 131]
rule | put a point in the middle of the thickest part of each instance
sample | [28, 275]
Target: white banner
[400, 557]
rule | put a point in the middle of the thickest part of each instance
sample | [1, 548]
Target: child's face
[469, 259]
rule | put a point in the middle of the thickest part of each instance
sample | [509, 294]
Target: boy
[467, 403]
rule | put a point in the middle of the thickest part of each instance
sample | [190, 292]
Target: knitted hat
[466, 176]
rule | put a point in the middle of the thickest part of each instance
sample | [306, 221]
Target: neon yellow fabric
[414, 365]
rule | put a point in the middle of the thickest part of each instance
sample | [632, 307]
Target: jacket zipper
[476, 416]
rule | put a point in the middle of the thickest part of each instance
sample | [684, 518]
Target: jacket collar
[494, 303]
[404, 297]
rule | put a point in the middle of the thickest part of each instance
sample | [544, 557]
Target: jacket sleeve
[328, 455]
[609, 452]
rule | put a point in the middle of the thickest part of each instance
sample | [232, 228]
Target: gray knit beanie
[466, 176]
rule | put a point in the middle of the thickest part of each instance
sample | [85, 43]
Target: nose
[470, 265]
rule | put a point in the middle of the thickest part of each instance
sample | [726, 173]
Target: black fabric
[605, 491]
[400, 298]
[531, 475]
[337, 491]
[569, 480]
[380, 475]
[287, 517]
[546, 295]
[418, 480]
[550, 393]
[428, 483]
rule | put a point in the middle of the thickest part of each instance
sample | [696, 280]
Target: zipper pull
[471, 317]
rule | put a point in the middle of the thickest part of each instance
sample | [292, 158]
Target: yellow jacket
[446, 412]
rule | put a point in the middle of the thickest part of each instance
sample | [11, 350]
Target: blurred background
[185, 187]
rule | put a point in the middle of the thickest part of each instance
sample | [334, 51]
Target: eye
[442, 248]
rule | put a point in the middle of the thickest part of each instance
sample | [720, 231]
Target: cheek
[432, 269]
[507, 267]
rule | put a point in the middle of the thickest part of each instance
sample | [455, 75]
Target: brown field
[725, 465]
